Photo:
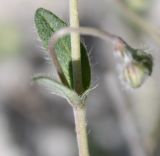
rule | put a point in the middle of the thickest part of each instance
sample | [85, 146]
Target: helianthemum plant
[70, 58]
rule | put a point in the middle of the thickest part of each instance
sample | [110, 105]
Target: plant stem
[75, 47]
[105, 35]
[80, 124]
[79, 112]
[81, 30]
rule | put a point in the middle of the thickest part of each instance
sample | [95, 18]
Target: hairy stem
[80, 124]
[88, 31]
[81, 30]
[79, 111]
[75, 47]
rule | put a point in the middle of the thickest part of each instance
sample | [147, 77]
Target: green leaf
[47, 23]
[59, 89]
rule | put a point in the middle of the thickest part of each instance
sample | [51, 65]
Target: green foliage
[47, 23]
[59, 89]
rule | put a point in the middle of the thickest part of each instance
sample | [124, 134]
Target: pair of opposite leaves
[136, 70]
[47, 23]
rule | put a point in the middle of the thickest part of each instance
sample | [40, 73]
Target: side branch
[81, 30]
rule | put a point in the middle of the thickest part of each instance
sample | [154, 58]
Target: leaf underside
[58, 89]
[47, 23]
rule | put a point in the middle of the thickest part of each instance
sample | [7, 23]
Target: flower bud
[135, 74]
[136, 63]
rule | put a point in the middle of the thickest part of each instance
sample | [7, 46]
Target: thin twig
[80, 123]
[79, 111]
[81, 30]
[75, 47]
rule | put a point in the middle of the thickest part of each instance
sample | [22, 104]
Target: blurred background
[121, 121]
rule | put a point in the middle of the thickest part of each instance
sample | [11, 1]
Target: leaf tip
[39, 10]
